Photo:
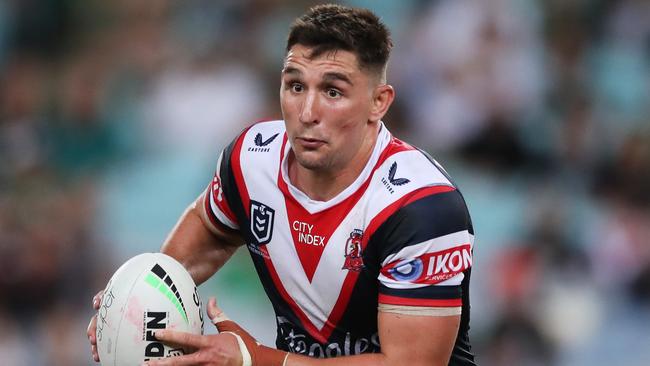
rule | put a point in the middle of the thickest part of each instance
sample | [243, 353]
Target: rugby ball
[149, 292]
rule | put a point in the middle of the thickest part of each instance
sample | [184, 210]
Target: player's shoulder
[427, 202]
[266, 125]
[259, 137]
[258, 144]
[406, 168]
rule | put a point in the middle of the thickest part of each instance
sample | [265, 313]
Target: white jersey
[399, 235]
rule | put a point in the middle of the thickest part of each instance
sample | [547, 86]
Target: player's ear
[382, 97]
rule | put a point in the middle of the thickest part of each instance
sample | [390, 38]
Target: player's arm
[199, 245]
[207, 234]
[204, 238]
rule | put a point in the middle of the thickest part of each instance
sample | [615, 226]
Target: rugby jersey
[400, 234]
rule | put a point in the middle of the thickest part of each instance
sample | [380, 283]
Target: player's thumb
[215, 313]
[221, 320]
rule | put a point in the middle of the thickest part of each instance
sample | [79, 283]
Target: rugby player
[362, 242]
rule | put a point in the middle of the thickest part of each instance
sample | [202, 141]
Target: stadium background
[112, 114]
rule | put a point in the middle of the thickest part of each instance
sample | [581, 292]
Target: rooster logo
[353, 255]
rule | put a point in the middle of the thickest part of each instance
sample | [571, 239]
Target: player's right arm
[207, 234]
[204, 238]
[198, 244]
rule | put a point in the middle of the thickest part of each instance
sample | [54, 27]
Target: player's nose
[309, 109]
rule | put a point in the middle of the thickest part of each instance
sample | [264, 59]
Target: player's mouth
[310, 143]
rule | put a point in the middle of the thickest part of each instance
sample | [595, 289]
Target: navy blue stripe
[444, 172]
[427, 218]
[229, 186]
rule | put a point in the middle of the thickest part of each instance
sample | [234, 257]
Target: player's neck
[323, 185]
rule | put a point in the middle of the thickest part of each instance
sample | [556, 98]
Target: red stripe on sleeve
[407, 301]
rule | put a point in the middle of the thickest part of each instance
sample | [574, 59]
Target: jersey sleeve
[426, 253]
[221, 193]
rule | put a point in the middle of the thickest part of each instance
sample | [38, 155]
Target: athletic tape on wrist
[221, 317]
[247, 360]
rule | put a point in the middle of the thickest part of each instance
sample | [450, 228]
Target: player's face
[327, 107]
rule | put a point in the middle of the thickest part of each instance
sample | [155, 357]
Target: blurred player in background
[362, 242]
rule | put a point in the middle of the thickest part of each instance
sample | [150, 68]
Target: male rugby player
[362, 241]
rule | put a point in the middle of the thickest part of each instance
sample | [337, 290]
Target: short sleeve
[426, 250]
[219, 193]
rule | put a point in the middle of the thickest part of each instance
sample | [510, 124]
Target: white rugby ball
[151, 291]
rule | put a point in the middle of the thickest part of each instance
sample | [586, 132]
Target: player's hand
[92, 326]
[210, 350]
[232, 346]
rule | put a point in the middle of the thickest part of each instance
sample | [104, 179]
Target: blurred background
[112, 114]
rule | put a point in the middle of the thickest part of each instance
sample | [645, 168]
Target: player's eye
[333, 93]
[297, 88]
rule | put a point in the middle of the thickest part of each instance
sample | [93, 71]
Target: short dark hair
[330, 27]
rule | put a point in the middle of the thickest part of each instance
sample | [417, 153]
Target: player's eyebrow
[332, 76]
[328, 77]
[291, 70]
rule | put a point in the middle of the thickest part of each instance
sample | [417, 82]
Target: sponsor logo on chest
[306, 235]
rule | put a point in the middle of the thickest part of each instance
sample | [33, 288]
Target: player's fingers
[97, 299]
[215, 313]
[93, 350]
[182, 339]
[192, 359]
[92, 328]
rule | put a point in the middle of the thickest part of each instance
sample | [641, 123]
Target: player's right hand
[92, 326]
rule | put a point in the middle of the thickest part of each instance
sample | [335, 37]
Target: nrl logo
[353, 258]
[261, 222]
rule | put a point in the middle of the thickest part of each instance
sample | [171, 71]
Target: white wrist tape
[245, 355]
[219, 318]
